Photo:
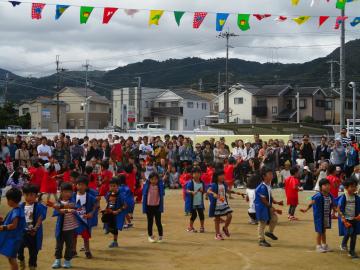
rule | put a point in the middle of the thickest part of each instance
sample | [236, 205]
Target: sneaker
[320, 249]
[202, 230]
[56, 264]
[67, 264]
[343, 248]
[353, 255]
[253, 222]
[263, 243]
[271, 235]
[326, 247]
[219, 237]
[160, 239]
[191, 229]
[88, 255]
[113, 244]
[22, 265]
[226, 231]
[151, 239]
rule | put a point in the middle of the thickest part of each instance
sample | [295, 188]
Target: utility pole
[6, 86]
[219, 84]
[57, 93]
[332, 79]
[200, 84]
[86, 66]
[298, 107]
[227, 35]
[139, 98]
[342, 72]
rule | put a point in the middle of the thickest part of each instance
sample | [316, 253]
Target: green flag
[243, 21]
[340, 4]
[178, 15]
[85, 13]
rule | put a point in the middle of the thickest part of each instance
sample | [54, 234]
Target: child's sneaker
[22, 265]
[263, 243]
[353, 255]
[226, 231]
[88, 255]
[191, 229]
[151, 239]
[271, 236]
[202, 230]
[67, 264]
[56, 264]
[320, 249]
[343, 248]
[326, 247]
[113, 244]
[219, 237]
[160, 239]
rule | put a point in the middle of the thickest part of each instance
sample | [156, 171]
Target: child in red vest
[292, 187]
[48, 183]
[335, 183]
[229, 174]
[36, 173]
[105, 177]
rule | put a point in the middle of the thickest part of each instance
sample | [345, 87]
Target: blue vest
[342, 204]
[318, 209]
[120, 218]
[215, 188]
[262, 211]
[89, 207]
[161, 194]
[189, 197]
[128, 197]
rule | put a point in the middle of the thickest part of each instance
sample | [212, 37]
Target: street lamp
[86, 105]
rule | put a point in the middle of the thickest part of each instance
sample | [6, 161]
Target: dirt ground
[183, 250]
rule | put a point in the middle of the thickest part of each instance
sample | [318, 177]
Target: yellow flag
[295, 2]
[301, 19]
[155, 16]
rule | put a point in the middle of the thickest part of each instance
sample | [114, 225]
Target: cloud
[29, 47]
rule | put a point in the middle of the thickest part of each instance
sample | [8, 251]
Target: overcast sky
[29, 47]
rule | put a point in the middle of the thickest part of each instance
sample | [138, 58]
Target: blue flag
[15, 3]
[221, 20]
[60, 9]
[355, 22]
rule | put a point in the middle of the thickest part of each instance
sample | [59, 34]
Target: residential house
[99, 108]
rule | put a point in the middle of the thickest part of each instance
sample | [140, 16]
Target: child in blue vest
[349, 216]
[129, 200]
[87, 209]
[35, 214]
[265, 212]
[153, 205]
[113, 216]
[219, 206]
[12, 227]
[322, 204]
[194, 200]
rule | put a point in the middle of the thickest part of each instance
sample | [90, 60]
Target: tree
[9, 116]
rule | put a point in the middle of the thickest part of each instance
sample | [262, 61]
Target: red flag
[108, 13]
[281, 19]
[36, 10]
[323, 19]
[198, 19]
[339, 21]
[261, 16]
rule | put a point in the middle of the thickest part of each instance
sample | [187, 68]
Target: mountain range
[187, 72]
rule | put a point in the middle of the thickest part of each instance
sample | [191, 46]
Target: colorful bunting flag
[323, 19]
[340, 4]
[339, 21]
[155, 16]
[198, 19]
[60, 9]
[221, 20]
[15, 3]
[355, 22]
[178, 15]
[85, 13]
[301, 19]
[36, 10]
[295, 2]
[281, 19]
[243, 22]
[261, 16]
[131, 12]
[108, 13]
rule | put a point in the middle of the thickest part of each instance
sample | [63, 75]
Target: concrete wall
[45, 116]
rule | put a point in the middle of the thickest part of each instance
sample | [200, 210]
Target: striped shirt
[345, 141]
[70, 221]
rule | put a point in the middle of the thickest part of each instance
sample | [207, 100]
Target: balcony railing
[259, 111]
[170, 111]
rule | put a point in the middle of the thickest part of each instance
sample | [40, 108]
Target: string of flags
[243, 20]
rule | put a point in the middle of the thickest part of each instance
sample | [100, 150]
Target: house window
[190, 104]
[238, 100]
[81, 123]
[162, 104]
[348, 105]
[328, 105]
[203, 106]
[194, 123]
[197, 105]
[320, 103]
[174, 104]
[185, 122]
[146, 104]
[67, 107]
[302, 103]
[274, 110]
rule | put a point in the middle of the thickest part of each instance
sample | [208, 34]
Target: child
[92, 178]
[114, 215]
[86, 210]
[229, 174]
[35, 214]
[322, 203]
[153, 205]
[349, 217]
[66, 225]
[16, 179]
[292, 187]
[48, 183]
[301, 162]
[12, 227]
[194, 200]
[251, 185]
[173, 177]
[129, 200]
[185, 177]
[335, 183]
[265, 212]
[105, 177]
[219, 206]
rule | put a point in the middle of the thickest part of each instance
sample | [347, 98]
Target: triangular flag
[221, 20]
[60, 9]
[323, 19]
[36, 10]
[178, 15]
[261, 16]
[295, 2]
[302, 19]
[355, 22]
[15, 3]
[108, 13]
[281, 19]
[198, 19]
[85, 13]
[131, 12]
[155, 16]
[340, 4]
[243, 21]
[339, 21]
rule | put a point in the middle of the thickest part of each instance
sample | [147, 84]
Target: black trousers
[195, 212]
[151, 213]
[292, 209]
[28, 241]
[350, 233]
[67, 238]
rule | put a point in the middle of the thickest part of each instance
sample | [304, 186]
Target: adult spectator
[208, 153]
[248, 152]
[4, 149]
[12, 147]
[307, 149]
[345, 140]
[322, 149]
[145, 148]
[44, 150]
[22, 155]
[221, 153]
[338, 154]
[76, 150]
